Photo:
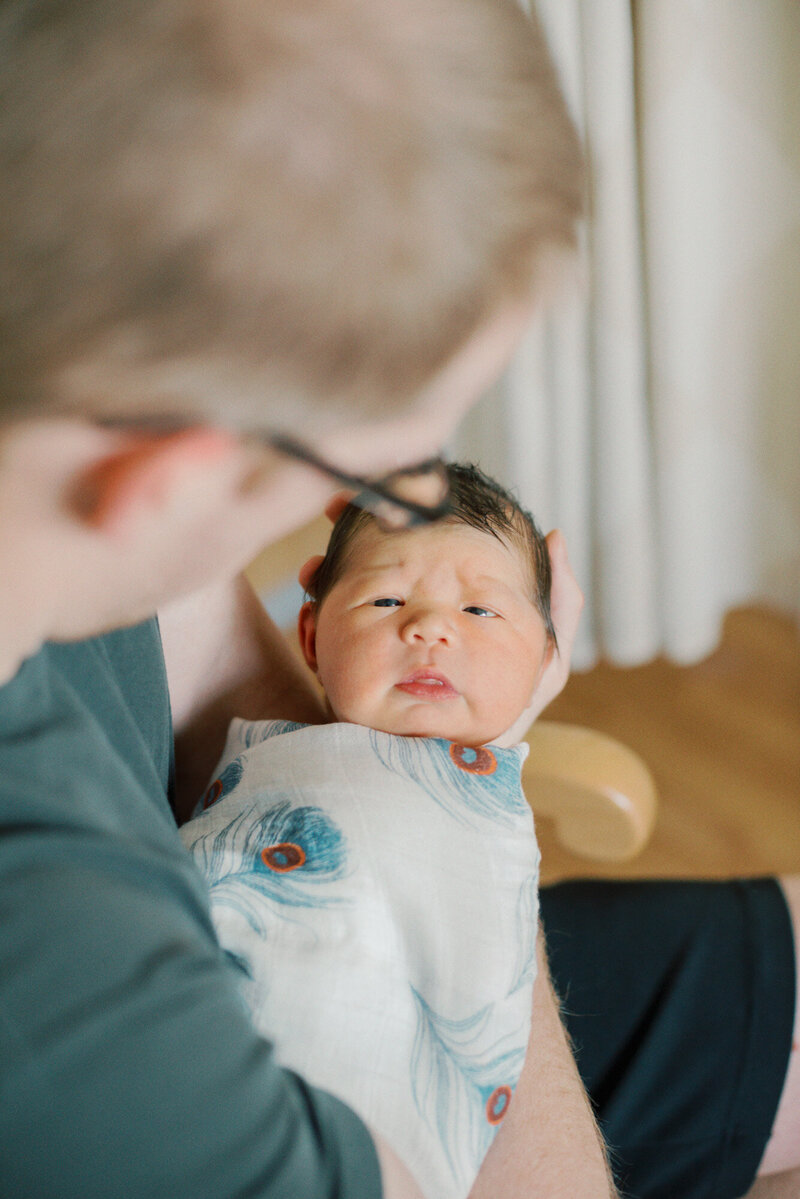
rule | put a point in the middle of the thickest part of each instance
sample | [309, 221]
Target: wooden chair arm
[599, 794]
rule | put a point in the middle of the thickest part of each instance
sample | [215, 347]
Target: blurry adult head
[268, 214]
[327, 218]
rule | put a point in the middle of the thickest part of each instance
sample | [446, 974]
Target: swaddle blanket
[380, 894]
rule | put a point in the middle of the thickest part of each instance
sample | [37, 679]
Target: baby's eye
[387, 601]
[477, 610]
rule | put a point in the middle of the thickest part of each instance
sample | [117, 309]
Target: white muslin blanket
[381, 896]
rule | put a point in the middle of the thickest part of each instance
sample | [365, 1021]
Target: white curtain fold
[653, 416]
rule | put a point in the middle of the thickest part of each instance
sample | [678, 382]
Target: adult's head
[327, 218]
[264, 214]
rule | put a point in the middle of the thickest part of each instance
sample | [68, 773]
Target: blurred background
[654, 416]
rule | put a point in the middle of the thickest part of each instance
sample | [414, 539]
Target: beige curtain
[655, 415]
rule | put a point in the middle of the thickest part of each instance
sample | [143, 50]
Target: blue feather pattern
[307, 850]
[221, 786]
[445, 771]
[255, 732]
[461, 1085]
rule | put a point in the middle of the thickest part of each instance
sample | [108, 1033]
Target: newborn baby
[376, 878]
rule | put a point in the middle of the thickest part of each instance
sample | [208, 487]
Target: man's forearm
[226, 658]
[549, 1146]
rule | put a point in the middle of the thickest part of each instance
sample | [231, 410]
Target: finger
[307, 571]
[337, 504]
[566, 597]
[566, 605]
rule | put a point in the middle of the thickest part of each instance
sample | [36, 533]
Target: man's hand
[333, 510]
[566, 605]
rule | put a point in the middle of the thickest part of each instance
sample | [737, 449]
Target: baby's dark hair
[477, 500]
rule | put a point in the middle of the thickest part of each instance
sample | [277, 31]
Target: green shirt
[128, 1063]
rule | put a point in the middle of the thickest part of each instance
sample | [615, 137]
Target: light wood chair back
[599, 794]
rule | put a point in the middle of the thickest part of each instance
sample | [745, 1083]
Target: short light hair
[328, 196]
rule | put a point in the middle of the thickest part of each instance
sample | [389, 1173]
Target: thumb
[337, 504]
[307, 571]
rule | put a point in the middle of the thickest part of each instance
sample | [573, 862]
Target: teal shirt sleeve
[128, 1063]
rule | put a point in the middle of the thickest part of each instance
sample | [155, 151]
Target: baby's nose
[428, 624]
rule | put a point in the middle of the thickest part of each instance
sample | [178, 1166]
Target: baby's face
[431, 632]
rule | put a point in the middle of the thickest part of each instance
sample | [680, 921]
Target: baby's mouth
[427, 684]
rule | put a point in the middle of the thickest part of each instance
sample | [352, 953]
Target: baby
[376, 878]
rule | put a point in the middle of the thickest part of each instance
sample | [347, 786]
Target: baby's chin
[433, 725]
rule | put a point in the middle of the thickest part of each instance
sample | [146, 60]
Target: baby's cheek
[505, 698]
[352, 702]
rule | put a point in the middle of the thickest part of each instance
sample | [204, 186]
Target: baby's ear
[307, 633]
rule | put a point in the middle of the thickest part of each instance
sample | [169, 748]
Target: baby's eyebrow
[379, 568]
[491, 581]
[507, 593]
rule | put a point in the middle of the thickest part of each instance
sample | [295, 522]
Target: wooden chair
[599, 794]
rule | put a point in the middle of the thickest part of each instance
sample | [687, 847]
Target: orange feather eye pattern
[478, 760]
[497, 1104]
[260, 862]
[472, 783]
[283, 857]
[223, 785]
[212, 794]
[292, 849]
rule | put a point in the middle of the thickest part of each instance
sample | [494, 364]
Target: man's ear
[143, 474]
[307, 633]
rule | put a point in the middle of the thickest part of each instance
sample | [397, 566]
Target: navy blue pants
[679, 998]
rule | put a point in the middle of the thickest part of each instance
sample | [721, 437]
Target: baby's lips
[427, 672]
[428, 683]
